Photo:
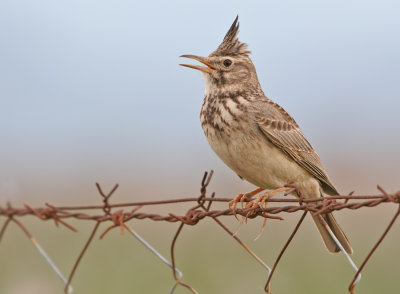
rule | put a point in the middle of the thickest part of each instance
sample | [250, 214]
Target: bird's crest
[231, 44]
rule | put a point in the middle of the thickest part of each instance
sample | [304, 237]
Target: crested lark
[255, 136]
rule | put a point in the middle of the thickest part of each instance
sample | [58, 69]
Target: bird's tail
[337, 231]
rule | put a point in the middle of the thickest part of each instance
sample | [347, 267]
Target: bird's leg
[261, 201]
[242, 197]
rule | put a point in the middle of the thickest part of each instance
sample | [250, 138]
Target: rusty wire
[200, 211]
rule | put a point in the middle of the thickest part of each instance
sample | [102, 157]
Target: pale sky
[92, 91]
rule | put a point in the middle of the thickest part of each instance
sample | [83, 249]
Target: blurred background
[92, 91]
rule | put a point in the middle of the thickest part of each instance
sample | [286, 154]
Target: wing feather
[281, 129]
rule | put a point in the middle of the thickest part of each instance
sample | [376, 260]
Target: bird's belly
[260, 162]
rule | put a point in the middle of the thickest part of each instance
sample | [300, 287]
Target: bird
[255, 136]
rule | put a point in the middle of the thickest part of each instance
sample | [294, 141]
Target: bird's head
[229, 67]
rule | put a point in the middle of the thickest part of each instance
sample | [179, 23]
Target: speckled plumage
[255, 136]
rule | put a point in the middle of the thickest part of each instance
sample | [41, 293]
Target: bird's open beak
[207, 69]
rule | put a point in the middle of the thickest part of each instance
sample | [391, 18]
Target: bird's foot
[241, 198]
[261, 200]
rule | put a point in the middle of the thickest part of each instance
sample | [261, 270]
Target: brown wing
[283, 131]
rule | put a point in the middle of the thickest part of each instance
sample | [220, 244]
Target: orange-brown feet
[261, 201]
[242, 197]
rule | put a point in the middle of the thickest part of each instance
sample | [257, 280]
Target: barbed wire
[201, 210]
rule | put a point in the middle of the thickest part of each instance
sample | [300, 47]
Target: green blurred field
[211, 261]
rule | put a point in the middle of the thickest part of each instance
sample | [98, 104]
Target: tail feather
[337, 231]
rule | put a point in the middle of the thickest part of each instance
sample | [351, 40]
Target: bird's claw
[242, 198]
[233, 203]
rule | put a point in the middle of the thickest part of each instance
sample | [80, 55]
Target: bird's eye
[227, 62]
